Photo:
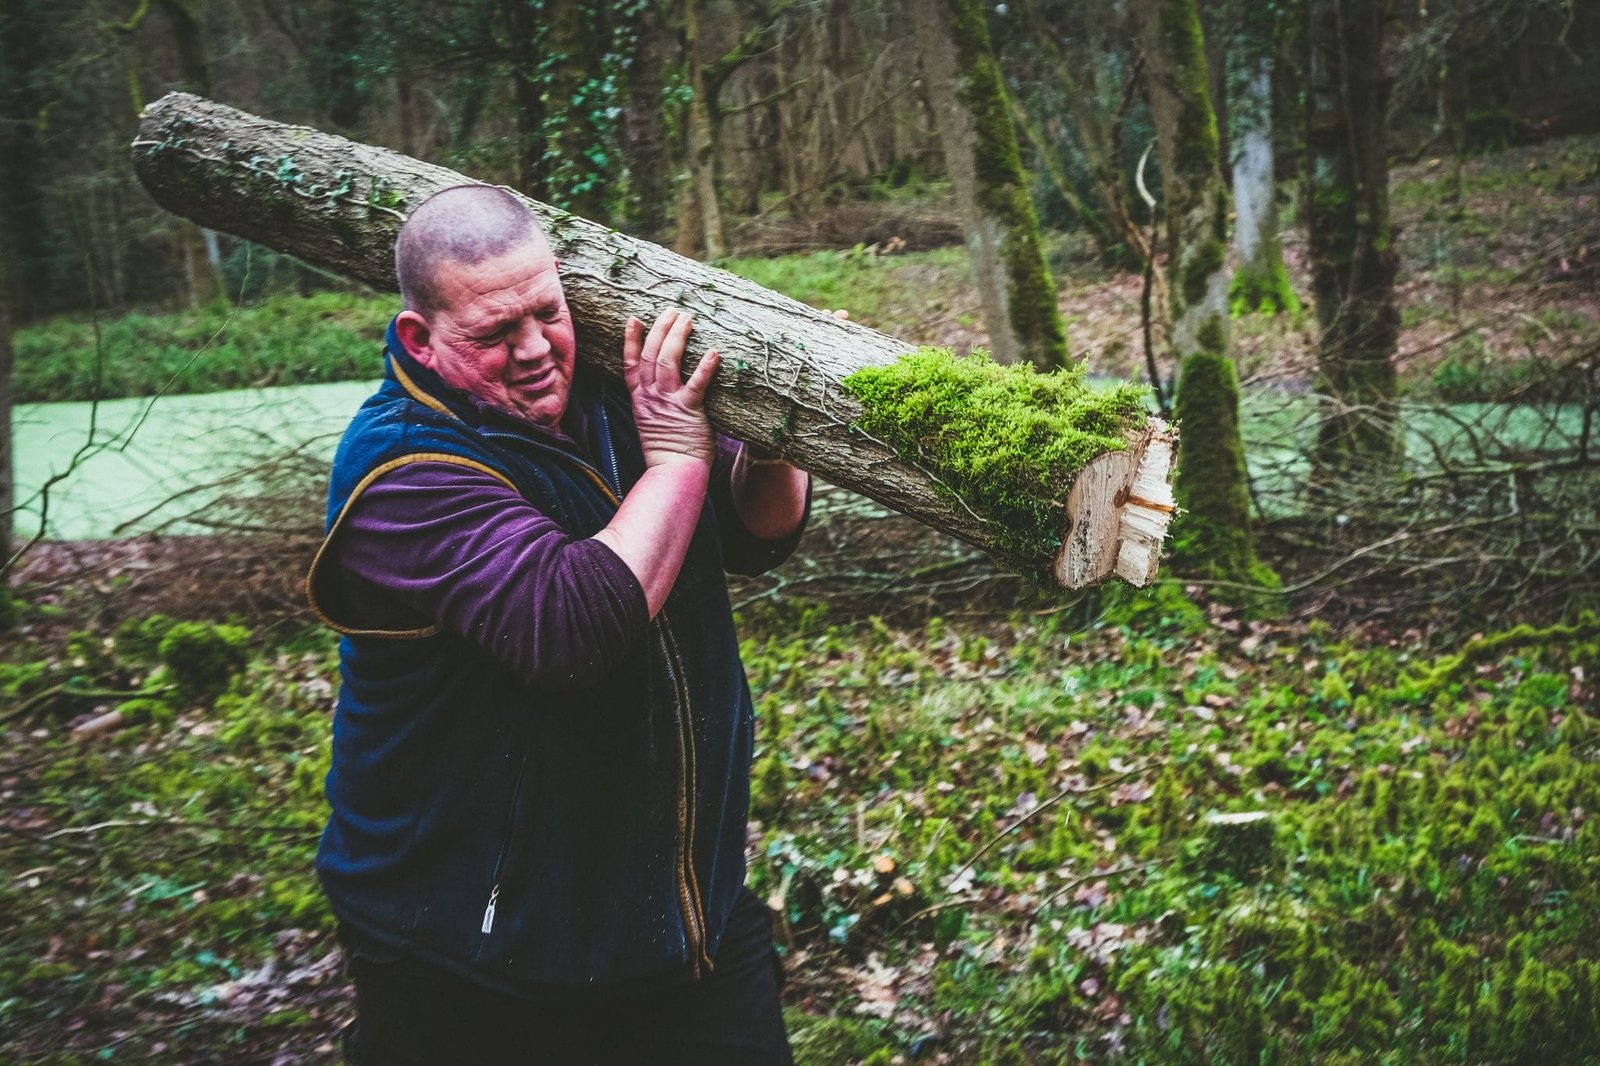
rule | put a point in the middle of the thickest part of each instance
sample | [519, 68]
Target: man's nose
[528, 341]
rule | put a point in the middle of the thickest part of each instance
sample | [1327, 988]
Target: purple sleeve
[455, 546]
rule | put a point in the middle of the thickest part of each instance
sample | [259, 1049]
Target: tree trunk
[202, 262]
[526, 31]
[339, 204]
[1351, 241]
[711, 238]
[980, 150]
[1260, 282]
[643, 137]
[1212, 483]
[578, 36]
[24, 228]
[1098, 130]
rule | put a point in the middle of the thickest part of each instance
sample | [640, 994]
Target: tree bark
[526, 33]
[202, 261]
[24, 228]
[1212, 482]
[339, 204]
[643, 139]
[704, 211]
[980, 151]
[1353, 260]
[1260, 281]
[579, 35]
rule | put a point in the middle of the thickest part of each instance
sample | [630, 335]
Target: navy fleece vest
[527, 837]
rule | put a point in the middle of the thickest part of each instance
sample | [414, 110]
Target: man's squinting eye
[549, 314]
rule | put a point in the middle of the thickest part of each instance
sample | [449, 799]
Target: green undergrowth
[989, 840]
[1004, 441]
[287, 340]
[887, 291]
[1000, 847]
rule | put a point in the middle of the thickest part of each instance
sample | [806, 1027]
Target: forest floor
[988, 828]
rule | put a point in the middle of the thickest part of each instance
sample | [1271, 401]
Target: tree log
[339, 204]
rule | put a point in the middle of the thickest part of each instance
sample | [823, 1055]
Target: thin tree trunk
[1126, 244]
[1260, 282]
[197, 248]
[1212, 482]
[707, 211]
[578, 39]
[643, 143]
[525, 28]
[24, 229]
[1353, 260]
[980, 150]
[783, 362]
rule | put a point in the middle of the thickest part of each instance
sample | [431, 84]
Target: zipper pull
[488, 912]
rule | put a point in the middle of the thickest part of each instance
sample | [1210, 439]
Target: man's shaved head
[465, 224]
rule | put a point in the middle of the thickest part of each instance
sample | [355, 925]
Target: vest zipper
[689, 900]
[487, 925]
[609, 449]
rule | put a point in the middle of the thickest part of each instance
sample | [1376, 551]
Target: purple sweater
[447, 544]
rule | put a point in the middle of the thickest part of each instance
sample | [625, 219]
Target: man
[541, 751]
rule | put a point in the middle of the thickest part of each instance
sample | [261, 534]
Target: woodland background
[1326, 794]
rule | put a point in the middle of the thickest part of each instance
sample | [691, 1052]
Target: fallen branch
[339, 204]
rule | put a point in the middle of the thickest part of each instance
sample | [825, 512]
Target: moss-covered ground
[986, 841]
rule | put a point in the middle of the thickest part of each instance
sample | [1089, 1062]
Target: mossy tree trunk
[339, 204]
[1353, 260]
[980, 151]
[1212, 483]
[701, 230]
[1260, 282]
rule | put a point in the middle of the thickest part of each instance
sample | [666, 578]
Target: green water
[141, 464]
[150, 463]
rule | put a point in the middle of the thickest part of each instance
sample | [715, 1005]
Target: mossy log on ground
[339, 204]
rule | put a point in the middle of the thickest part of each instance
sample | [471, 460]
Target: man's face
[503, 333]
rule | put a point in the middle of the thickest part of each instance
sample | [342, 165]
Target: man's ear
[414, 333]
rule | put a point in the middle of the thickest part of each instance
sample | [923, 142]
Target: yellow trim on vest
[322, 549]
[416, 393]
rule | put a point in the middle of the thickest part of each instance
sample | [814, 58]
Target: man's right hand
[669, 411]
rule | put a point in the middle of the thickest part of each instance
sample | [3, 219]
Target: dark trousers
[411, 1013]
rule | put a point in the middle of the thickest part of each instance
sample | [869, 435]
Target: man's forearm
[653, 527]
[769, 495]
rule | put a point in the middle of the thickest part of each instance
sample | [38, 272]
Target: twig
[175, 823]
[1046, 805]
[1098, 875]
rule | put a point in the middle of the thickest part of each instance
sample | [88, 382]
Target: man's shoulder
[392, 426]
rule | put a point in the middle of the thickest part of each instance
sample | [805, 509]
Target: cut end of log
[1118, 512]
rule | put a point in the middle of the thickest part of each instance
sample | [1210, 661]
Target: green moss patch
[1006, 441]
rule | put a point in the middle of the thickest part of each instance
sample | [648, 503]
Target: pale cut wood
[1118, 510]
[339, 204]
